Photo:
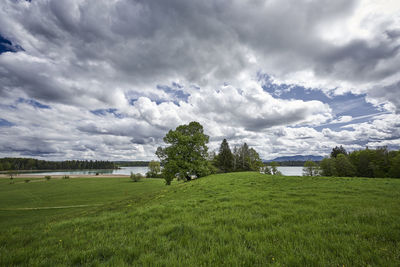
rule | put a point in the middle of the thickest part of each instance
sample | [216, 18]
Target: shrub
[65, 177]
[97, 173]
[11, 174]
[274, 168]
[47, 177]
[310, 168]
[266, 170]
[135, 177]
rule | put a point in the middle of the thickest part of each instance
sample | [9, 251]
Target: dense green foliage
[154, 170]
[363, 163]
[235, 219]
[225, 157]
[338, 150]
[35, 164]
[186, 154]
[246, 159]
[242, 158]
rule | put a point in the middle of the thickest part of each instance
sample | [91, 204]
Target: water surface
[285, 170]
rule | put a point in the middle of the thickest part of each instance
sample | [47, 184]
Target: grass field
[245, 219]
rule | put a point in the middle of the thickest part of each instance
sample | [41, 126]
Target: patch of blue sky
[175, 92]
[5, 123]
[33, 103]
[7, 46]
[104, 112]
[342, 105]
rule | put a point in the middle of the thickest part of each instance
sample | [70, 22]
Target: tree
[186, 154]
[344, 167]
[243, 160]
[310, 168]
[328, 167]
[338, 150]
[154, 169]
[394, 170]
[235, 158]
[254, 160]
[225, 157]
[246, 159]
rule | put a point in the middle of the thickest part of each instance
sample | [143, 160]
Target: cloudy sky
[106, 79]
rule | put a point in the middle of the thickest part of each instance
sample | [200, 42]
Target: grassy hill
[228, 219]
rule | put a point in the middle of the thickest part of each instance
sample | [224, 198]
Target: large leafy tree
[186, 154]
[225, 157]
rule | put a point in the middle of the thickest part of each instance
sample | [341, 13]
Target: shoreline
[58, 176]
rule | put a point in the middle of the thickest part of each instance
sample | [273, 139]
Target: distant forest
[35, 164]
[290, 163]
[132, 163]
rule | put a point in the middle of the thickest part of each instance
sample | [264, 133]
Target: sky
[107, 79]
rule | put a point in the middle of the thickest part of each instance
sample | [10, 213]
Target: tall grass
[245, 219]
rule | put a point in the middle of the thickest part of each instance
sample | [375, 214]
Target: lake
[285, 170]
[121, 171]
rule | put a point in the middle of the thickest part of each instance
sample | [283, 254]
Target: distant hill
[297, 158]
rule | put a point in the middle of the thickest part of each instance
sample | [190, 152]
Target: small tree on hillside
[225, 157]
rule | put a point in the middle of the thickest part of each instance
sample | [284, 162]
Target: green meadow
[234, 219]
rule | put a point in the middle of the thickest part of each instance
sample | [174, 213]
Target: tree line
[35, 164]
[379, 162]
[242, 158]
[136, 163]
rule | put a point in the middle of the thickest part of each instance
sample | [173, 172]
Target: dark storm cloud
[87, 60]
[202, 42]
[360, 58]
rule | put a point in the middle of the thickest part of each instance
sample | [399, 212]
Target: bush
[48, 177]
[310, 168]
[65, 177]
[27, 181]
[97, 173]
[266, 170]
[135, 177]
